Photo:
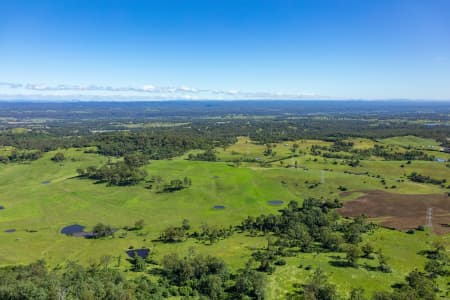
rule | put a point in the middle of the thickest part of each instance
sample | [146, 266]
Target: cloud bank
[40, 91]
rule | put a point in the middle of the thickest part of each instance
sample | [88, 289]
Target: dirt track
[401, 211]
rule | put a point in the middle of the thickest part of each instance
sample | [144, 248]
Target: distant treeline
[140, 110]
[167, 142]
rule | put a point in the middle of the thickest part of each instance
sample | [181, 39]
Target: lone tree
[383, 263]
[102, 230]
[353, 253]
[138, 225]
[81, 172]
[139, 263]
[318, 287]
[185, 224]
[58, 157]
[367, 250]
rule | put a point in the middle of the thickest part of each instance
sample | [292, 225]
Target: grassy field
[42, 197]
[411, 141]
[402, 249]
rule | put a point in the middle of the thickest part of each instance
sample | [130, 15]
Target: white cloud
[10, 85]
[187, 89]
[148, 87]
[232, 92]
[145, 92]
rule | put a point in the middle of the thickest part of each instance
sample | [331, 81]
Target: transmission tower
[429, 218]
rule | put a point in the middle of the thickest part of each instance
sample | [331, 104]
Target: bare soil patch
[401, 211]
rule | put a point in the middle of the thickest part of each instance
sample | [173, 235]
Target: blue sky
[225, 49]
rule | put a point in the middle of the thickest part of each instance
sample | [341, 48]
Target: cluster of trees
[418, 285]
[438, 263]
[314, 226]
[212, 233]
[196, 276]
[175, 233]
[74, 281]
[209, 277]
[341, 146]
[207, 233]
[208, 155]
[382, 151]
[176, 185]
[154, 144]
[19, 156]
[158, 184]
[344, 150]
[354, 162]
[414, 176]
[126, 172]
[205, 274]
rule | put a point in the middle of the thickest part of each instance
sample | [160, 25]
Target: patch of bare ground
[401, 211]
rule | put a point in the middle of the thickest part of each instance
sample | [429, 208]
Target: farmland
[236, 180]
[38, 211]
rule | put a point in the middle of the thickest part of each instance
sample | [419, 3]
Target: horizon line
[30, 100]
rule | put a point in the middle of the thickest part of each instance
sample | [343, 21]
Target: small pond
[275, 202]
[72, 229]
[140, 252]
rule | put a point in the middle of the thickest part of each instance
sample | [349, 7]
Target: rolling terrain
[42, 197]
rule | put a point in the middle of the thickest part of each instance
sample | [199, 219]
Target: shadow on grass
[340, 264]
[370, 268]
[158, 271]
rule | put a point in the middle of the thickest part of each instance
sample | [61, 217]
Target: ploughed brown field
[401, 211]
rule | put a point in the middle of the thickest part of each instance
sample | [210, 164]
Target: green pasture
[39, 210]
[411, 141]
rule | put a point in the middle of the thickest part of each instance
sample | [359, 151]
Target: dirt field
[401, 211]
